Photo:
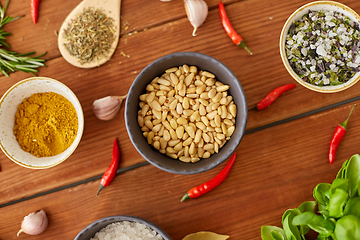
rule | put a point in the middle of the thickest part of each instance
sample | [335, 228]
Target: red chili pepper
[235, 37]
[110, 173]
[34, 9]
[213, 183]
[273, 95]
[337, 137]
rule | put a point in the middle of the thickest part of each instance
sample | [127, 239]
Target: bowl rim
[80, 123]
[219, 160]
[325, 89]
[130, 218]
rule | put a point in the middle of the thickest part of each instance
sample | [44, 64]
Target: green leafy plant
[12, 61]
[334, 215]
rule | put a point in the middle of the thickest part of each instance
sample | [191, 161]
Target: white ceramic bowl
[8, 107]
[297, 15]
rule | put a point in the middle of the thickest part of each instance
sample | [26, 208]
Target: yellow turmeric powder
[46, 124]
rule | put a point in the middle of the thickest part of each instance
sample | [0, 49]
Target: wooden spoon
[112, 10]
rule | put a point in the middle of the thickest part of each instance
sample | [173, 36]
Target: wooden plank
[276, 169]
[261, 32]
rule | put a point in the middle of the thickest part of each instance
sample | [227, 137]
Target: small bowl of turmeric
[41, 122]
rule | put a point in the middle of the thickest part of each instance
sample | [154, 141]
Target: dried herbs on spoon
[90, 35]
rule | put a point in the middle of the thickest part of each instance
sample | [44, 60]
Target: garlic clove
[196, 11]
[34, 223]
[106, 108]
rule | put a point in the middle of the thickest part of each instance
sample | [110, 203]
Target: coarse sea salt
[323, 48]
[126, 230]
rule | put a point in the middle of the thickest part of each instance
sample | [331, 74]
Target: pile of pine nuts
[187, 114]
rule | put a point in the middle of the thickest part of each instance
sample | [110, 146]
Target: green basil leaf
[307, 206]
[321, 194]
[272, 233]
[339, 183]
[353, 207]
[353, 174]
[291, 231]
[342, 171]
[337, 203]
[316, 222]
[347, 228]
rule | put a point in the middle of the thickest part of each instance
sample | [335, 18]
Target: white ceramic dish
[8, 106]
[297, 15]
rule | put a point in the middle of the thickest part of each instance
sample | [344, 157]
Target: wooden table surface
[281, 158]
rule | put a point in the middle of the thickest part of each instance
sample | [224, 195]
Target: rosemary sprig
[12, 61]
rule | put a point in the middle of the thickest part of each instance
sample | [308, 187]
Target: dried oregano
[90, 35]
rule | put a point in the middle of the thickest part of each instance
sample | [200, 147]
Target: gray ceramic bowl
[89, 231]
[157, 68]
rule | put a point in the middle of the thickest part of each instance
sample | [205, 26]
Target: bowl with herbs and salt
[41, 121]
[320, 47]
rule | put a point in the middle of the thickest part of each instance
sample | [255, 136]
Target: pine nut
[211, 115]
[157, 145]
[200, 125]
[202, 110]
[208, 146]
[171, 70]
[230, 131]
[185, 159]
[187, 114]
[208, 74]
[180, 132]
[182, 121]
[195, 116]
[173, 134]
[186, 68]
[232, 109]
[212, 93]
[206, 154]
[156, 128]
[172, 143]
[195, 159]
[189, 79]
[222, 88]
[164, 82]
[193, 69]
[140, 121]
[148, 124]
[178, 147]
[217, 120]
[187, 142]
[150, 136]
[186, 103]
[200, 89]
[190, 130]
[150, 97]
[163, 143]
[179, 108]
[210, 82]
[228, 122]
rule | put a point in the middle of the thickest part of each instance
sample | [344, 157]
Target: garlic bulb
[34, 223]
[196, 11]
[106, 108]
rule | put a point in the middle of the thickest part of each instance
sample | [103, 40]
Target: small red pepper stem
[235, 37]
[34, 9]
[110, 173]
[337, 137]
[273, 95]
[211, 184]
